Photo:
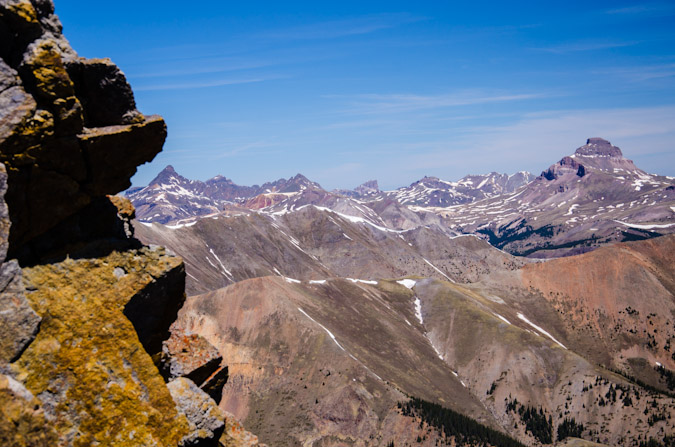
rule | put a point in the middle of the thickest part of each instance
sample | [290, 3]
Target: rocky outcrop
[18, 322]
[206, 420]
[69, 129]
[84, 307]
[600, 154]
[190, 355]
[565, 166]
[599, 147]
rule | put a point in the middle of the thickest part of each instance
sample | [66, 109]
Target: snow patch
[220, 262]
[644, 227]
[571, 209]
[460, 380]
[418, 310]
[409, 283]
[291, 280]
[364, 281]
[502, 318]
[330, 334]
[524, 318]
[438, 353]
[175, 227]
[437, 269]
[318, 281]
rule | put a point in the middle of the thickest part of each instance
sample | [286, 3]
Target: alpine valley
[494, 310]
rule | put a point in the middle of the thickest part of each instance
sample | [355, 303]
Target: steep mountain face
[612, 321]
[591, 198]
[85, 308]
[326, 360]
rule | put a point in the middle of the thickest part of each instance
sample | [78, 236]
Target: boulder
[206, 420]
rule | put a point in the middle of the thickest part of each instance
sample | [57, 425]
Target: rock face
[85, 308]
[206, 420]
[18, 322]
[69, 128]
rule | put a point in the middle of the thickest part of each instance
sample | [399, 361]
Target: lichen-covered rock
[83, 323]
[235, 435]
[189, 355]
[69, 129]
[206, 420]
[87, 365]
[22, 421]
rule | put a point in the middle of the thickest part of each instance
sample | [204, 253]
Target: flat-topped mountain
[591, 198]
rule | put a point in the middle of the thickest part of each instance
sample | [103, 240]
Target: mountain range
[586, 200]
[332, 307]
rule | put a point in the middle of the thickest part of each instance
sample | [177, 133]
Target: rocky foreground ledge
[86, 309]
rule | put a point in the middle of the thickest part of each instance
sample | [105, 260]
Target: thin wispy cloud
[539, 139]
[197, 85]
[342, 28]
[206, 67]
[234, 150]
[644, 9]
[640, 73]
[532, 143]
[574, 47]
[400, 103]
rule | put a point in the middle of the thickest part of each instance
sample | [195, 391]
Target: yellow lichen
[24, 9]
[87, 359]
[49, 73]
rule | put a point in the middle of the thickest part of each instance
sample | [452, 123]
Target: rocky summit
[85, 308]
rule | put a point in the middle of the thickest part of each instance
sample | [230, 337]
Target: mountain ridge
[592, 197]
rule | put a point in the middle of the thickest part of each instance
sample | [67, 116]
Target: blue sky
[344, 92]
